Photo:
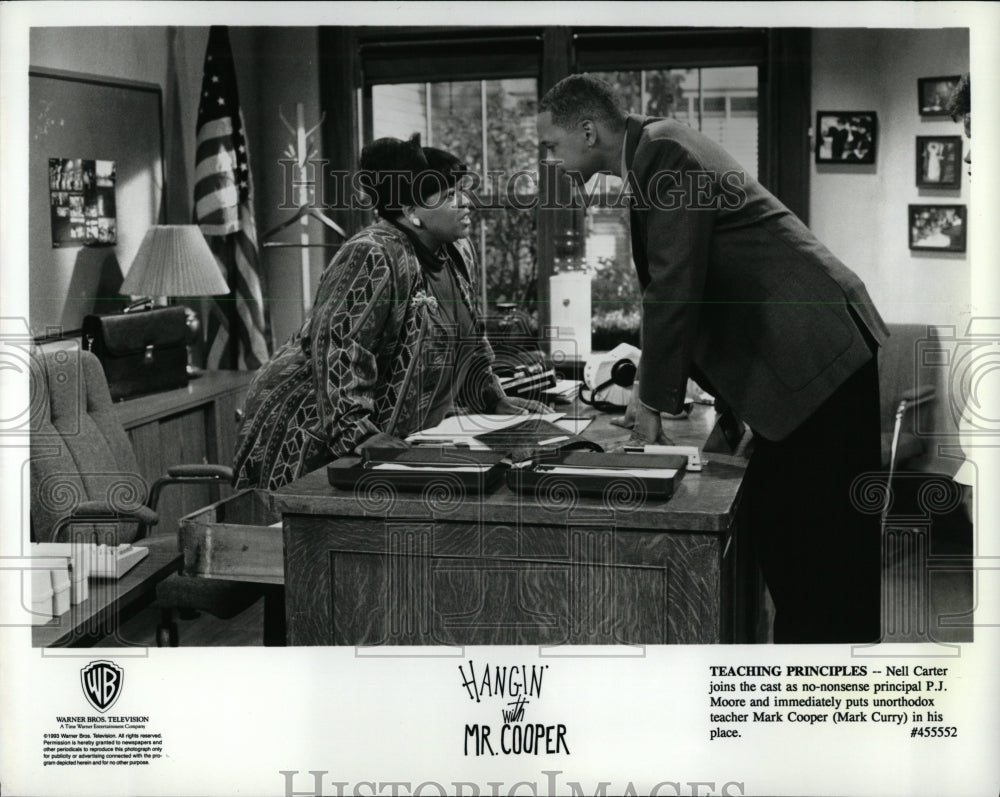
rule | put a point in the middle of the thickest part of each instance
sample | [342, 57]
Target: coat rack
[302, 152]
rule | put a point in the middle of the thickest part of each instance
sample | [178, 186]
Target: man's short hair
[580, 97]
[960, 102]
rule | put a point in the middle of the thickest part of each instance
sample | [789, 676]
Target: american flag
[238, 335]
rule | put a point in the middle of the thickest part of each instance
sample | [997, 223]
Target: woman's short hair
[388, 166]
[396, 173]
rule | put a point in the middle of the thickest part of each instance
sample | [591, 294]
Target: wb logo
[102, 683]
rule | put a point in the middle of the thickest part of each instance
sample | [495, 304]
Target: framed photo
[937, 228]
[933, 94]
[82, 198]
[846, 136]
[939, 161]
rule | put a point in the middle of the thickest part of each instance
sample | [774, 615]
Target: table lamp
[175, 260]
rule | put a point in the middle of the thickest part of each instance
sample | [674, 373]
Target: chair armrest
[216, 471]
[917, 395]
[99, 512]
[189, 474]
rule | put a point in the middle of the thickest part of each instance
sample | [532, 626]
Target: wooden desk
[111, 601]
[407, 569]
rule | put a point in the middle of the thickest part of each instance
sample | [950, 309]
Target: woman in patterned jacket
[394, 339]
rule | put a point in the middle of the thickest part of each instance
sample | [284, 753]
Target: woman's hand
[381, 440]
[512, 405]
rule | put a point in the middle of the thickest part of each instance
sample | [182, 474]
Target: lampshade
[174, 260]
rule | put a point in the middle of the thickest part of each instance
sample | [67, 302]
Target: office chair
[908, 400]
[85, 476]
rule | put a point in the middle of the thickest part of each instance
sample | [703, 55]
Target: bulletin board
[93, 120]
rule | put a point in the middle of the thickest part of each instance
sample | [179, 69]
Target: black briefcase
[144, 351]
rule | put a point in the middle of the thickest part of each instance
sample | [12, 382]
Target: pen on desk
[553, 440]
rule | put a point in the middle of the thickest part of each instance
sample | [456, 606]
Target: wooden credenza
[189, 425]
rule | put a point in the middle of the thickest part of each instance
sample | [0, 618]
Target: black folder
[618, 478]
[419, 469]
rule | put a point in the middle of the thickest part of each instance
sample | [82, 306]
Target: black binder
[613, 477]
[419, 469]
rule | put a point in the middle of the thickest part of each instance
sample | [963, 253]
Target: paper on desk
[564, 391]
[640, 473]
[462, 427]
[439, 468]
[574, 425]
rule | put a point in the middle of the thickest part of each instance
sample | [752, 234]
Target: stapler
[691, 452]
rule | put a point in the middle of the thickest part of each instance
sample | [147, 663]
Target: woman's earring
[414, 221]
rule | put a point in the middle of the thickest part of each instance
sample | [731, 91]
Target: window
[738, 85]
[490, 125]
[721, 102]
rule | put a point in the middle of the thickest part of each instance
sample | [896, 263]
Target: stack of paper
[638, 473]
[449, 468]
[463, 429]
[564, 391]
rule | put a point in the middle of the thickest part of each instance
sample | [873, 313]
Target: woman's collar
[430, 261]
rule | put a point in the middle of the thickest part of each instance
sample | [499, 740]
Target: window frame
[355, 59]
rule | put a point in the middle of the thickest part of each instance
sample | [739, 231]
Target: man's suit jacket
[737, 292]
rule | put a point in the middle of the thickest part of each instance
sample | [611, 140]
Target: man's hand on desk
[648, 427]
[381, 440]
[628, 421]
[645, 423]
[512, 405]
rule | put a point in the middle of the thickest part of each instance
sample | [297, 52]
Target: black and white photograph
[82, 197]
[939, 161]
[846, 136]
[934, 93]
[487, 399]
[938, 228]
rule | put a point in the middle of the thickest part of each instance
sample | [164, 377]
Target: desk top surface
[107, 597]
[703, 502]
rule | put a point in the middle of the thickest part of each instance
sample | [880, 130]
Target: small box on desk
[237, 539]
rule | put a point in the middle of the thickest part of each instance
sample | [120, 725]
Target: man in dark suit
[739, 295]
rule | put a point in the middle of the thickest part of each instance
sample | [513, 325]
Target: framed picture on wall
[82, 200]
[933, 94]
[846, 136]
[937, 228]
[939, 161]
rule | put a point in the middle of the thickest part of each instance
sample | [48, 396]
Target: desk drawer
[237, 539]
